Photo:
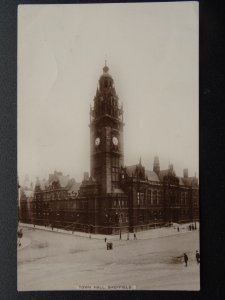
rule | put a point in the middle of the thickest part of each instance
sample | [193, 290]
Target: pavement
[62, 261]
[144, 234]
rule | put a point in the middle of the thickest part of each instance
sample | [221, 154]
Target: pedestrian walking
[178, 229]
[135, 237]
[185, 259]
[105, 239]
[197, 257]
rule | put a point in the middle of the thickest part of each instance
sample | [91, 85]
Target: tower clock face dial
[97, 141]
[115, 141]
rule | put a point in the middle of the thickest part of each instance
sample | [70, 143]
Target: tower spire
[156, 166]
[140, 161]
[106, 135]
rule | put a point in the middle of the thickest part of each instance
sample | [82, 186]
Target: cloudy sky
[152, 53]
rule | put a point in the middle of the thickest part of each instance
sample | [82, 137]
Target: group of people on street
[197, 256]
[19, 236]
[192, 227]
[135, 237]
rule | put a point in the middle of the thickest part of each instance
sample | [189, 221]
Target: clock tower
[106, 135]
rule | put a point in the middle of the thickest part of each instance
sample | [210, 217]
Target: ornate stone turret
[106, 99]
[156, 166]
[106, 135]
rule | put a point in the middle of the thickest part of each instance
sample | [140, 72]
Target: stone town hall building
[115, 197]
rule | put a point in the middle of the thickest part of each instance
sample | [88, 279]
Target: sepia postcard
[108, 178]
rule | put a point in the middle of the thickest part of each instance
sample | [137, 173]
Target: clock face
[115, 141]
[97, 141]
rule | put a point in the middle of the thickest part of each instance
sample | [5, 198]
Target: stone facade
[114, 198]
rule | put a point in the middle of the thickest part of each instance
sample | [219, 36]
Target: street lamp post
[78, 216]
[89, 230]
[118, 213]
[120, 224]
[107, 222]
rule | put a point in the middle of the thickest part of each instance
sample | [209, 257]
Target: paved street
[58, 261]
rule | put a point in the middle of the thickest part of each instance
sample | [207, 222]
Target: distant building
[115, 197]
[40, 204]
[25, 207]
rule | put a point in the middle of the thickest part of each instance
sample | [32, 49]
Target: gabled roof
[74, 187]
[163, 173]
[181, 181]
[44, 184]
[151, 175]
[131, 170]
[59, 180]
[190, 181]
[166, 172]
[63, 180]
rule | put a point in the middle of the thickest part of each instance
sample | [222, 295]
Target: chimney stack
[86, 176]
[38, 181]
[185, 173]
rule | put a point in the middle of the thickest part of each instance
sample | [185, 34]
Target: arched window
[149, 196]
[155, 198]
[160, 196]
[138, 198]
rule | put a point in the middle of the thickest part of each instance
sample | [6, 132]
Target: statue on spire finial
[105, 69]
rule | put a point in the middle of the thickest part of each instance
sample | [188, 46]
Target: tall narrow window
[155, 198]
[138, 198]
[149, 194]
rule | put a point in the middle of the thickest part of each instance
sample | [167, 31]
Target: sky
[152, 54]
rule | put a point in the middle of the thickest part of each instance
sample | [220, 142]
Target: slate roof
[163, 173]
[190, 181]
[64, 182]
[166, 172]
[131, 170]
[181, 182]
[74, 187]
[44, 184]
[151, 175]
